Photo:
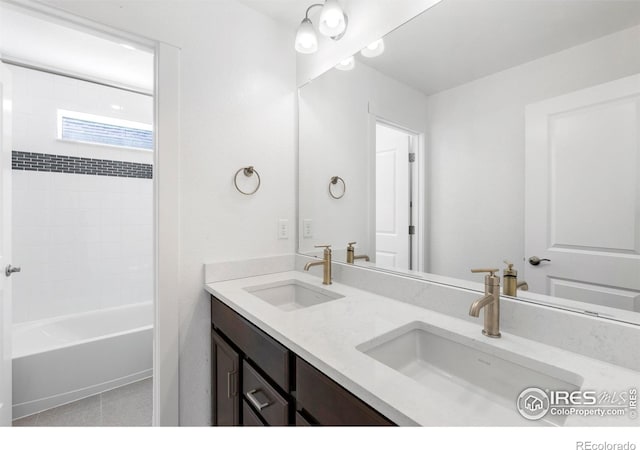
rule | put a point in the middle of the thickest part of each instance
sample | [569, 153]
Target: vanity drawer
[329, 403]
[249, 418]
[268, 354]
[271, 406]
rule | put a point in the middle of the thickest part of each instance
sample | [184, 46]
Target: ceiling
[452, 43]
[34, 41]
[458, 41]
[288, 13]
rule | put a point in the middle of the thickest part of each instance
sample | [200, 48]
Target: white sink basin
[475, 373]
[291, 295]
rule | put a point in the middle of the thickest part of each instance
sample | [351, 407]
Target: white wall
[84, 242]
[476, 139]
[336, 136]
[237, 104]
[38, 95]
[369, 20]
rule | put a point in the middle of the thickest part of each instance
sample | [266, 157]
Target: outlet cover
[307, 228]
[283, 229]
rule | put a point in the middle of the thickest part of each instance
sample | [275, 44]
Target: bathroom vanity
[257, 381]
[288, 350]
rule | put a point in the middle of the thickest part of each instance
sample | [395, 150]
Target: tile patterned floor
[126, 406]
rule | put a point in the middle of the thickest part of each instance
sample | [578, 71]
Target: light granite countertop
[328, 335]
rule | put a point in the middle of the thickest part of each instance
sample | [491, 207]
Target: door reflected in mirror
[396, 242]
[524, 121]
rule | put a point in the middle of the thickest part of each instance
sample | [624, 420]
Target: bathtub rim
[40, 322]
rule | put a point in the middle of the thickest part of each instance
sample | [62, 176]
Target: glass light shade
[374, 49]
[347, 64]
[332, 22]
[306, 39]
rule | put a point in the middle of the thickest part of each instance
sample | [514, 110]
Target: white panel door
[583, 194]
[392, 197]
[5, 247]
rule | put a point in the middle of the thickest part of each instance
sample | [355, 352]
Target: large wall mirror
[483, 131]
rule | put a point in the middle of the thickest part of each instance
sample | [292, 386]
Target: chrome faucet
[351, 254]
[326, 263]
[490, 302]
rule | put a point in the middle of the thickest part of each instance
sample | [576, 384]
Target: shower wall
[82, 213]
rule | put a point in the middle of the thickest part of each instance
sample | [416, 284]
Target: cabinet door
[226, 383]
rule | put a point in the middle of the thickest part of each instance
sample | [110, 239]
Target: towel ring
[333, 182]
[248, 172]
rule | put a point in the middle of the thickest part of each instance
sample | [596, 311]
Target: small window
[92, 129]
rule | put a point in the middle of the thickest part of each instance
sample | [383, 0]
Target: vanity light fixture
[332, 23]
[347, 64]
[333, 20]
[306, 39]
[374, 49]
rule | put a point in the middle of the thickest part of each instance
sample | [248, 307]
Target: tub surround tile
[44, 162]
[89, 223]
[327, 336]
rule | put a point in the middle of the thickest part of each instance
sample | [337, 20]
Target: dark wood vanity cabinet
[257, 381]
[250, 418]
[273, 407]
[264, 372]
[325, 402]
[226, 376]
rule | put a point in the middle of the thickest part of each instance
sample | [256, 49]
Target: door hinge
[412, 230]
[412, 157]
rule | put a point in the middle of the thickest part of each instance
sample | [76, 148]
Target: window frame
[112, 121]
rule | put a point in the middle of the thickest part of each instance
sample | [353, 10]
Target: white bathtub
[60, 360]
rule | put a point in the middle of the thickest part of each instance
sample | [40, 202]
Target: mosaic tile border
[44, 162]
